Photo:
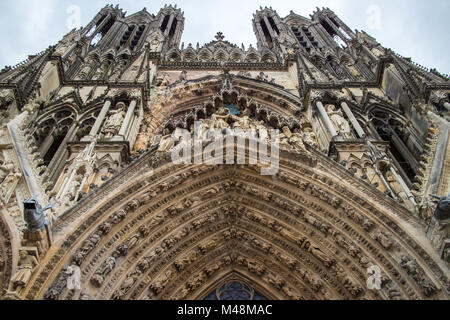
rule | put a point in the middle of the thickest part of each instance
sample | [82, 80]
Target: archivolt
[8, 247]
[174, 232]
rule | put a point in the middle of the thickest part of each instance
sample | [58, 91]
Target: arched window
[96, 39]
[332, 32]
[92, 30]
[165, 23]
[102, 33]
[393, 131]
[237, 291]
[137, 37]
[126, 37]
[266, 33]
[305, 38]
[173, 28]
[51, 132]
[273, 25]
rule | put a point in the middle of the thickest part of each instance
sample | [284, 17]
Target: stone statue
[162, 80]
[297, 140]
[337, 118]
[285, 137]
[262, 77]
[443, 208]
[8, 184]
[5, 169]
[244, 123]
[154, 45]
[26, 266]
[74, 280]
[310, 138]
[74, 187]
[183, 76]
[114, 123]
[167, 142]
[219, 120]
[120, 67]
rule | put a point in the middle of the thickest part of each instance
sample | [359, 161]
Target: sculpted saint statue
[5, 169]
[154, 45]
[297, 141]
[167, 142]
[114, 123]
[243, 123]
[337, 118]
[310, 138]
[219, 120]
[8, 184]
[27, 264]
[285, 137]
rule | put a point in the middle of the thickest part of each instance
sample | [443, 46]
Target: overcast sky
[413, 28]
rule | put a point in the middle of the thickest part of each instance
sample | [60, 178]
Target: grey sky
[413, 28]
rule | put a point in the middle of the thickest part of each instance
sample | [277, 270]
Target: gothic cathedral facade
[94, 207]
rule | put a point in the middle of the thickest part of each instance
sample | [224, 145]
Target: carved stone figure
[319, 254]
[26, 266]
[8, 185]
[243, 123]
[310, 138]
[285, 137]
[220, 119]
[108, 266]
[337, 118]
[384, 240]
[183, 76]
[5, 169]
[167, 142]
[154, 45]
[296, 141]
[114, 123]
[74, 281]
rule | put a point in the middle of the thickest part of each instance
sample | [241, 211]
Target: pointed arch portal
[166, 231]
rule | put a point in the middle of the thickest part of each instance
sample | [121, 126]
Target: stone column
[404, 186]
[344, 26]
[386, 184]
[353, 120]
[48, 141]
[400, 145]
[336, 29]
[128, 117]
[57, 164]
[98, 123]
[326, 119]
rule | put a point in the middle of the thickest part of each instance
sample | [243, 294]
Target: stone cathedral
[94, 208]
